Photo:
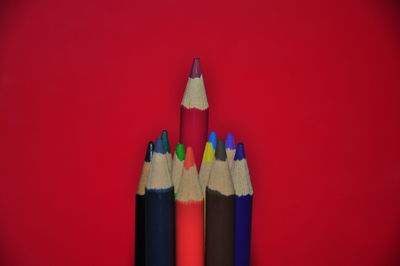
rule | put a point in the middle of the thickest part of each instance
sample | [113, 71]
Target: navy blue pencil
[244, 204]
[160, 233]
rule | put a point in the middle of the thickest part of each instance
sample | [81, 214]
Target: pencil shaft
[194, 130]
[243, 218]
[189, 233]
[160, 228]
[220, 229]
[140, 235]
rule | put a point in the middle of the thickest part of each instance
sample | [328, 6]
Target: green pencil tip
[180, 151]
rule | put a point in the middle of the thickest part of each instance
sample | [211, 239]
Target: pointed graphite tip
[159, 147]
[196, 70]
[239, 154]
[165, 141]
[180, 151]
[189, 159]
[149, 151]
[213, 139]
[220, 153]
[230, 142]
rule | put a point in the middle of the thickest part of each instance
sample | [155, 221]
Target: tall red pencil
[189, 216]
[194, 113]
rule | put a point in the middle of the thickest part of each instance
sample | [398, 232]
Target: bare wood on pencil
[159, 177]
[220, 178]
[241, 178]
[143, 179]
[195, 94]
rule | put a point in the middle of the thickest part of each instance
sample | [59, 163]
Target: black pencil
[140, 236]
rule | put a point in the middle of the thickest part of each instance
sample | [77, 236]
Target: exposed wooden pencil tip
[220, 153]
[149, 151]
[195, 94]
[189, 158]
[196, 70]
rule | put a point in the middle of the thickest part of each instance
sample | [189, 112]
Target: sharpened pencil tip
[239, 154]
[230, 141]
[180, 151]
[164, 137]
[213, 139]
[196, 70]
[159, 147]
[149, 151]
[189, 159]
[220, 153]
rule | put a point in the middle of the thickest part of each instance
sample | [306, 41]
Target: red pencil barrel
[194, 131]
[189, 233]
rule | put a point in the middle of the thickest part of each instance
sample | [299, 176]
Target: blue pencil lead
[240, 155]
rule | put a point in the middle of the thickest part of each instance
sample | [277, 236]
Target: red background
[312, 87]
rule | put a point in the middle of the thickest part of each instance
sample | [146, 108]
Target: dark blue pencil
[244, 204]
[160, 233]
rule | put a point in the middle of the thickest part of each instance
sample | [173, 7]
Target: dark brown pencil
[220, 212]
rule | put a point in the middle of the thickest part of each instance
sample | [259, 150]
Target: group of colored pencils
[194, 209]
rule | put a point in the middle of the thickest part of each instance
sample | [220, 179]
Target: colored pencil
[206, 165]
[177, 166]
[140, 236]
[189, 216]
[194, 113]
[244, 204]
[167, 149]
[220, 209]
[160, 215]
[208, 159]
[230, 149]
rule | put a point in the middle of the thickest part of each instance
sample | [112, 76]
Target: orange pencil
[189, 216]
